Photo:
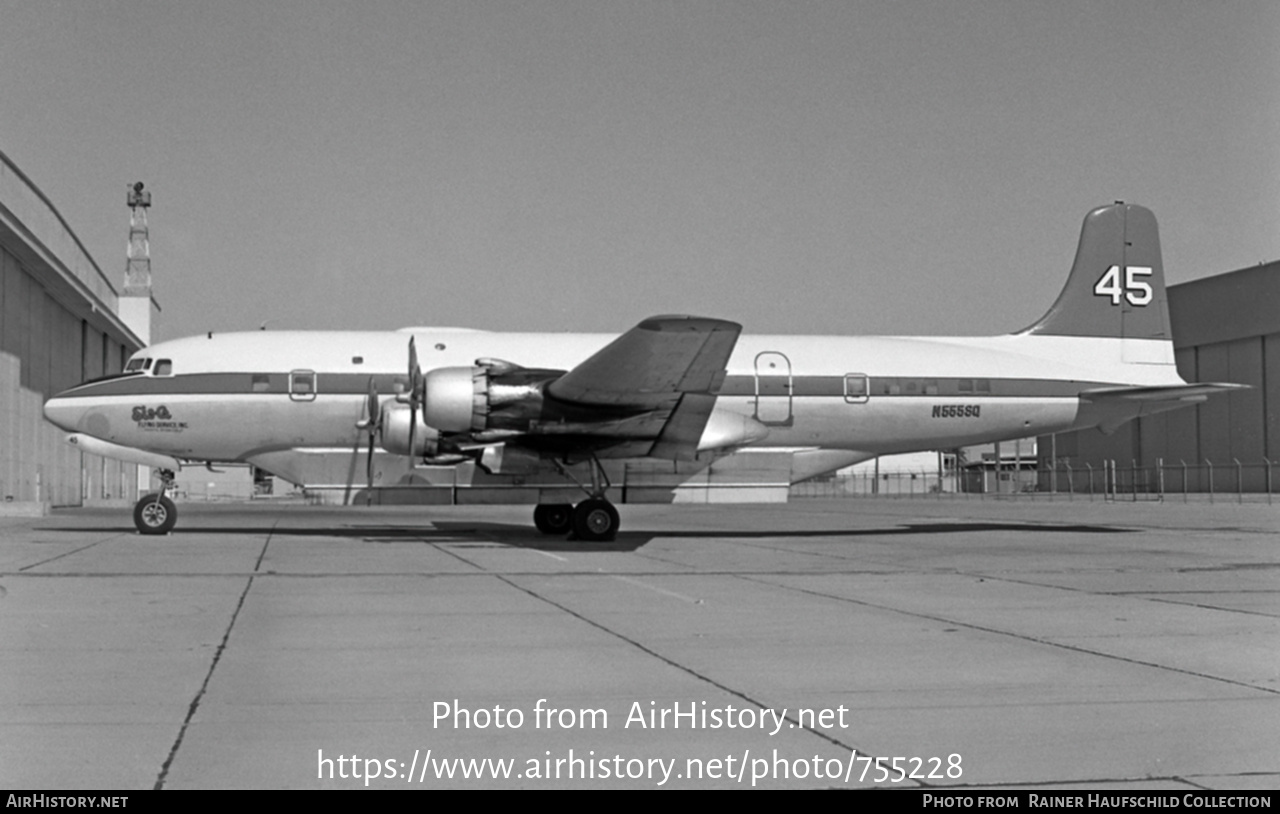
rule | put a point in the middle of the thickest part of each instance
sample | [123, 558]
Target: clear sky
[800, 167]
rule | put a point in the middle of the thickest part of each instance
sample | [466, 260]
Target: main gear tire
[553, 518]
[595, 520]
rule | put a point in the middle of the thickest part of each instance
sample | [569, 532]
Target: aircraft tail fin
[1116, 286]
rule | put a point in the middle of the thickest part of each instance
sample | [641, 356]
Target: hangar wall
[58, 327]
[1226, 328]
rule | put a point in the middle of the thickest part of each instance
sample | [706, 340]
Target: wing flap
[683, 430]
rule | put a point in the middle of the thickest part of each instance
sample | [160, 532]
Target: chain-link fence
[867, 484]
[1237, 481]
[1114, 480]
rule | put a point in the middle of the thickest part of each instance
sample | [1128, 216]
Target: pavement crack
[1147, 596]
[699, 676]
[213, 665]
[443, 550]
[68, 553]
[1033, 639]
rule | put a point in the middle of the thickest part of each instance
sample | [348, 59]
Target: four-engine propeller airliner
[684, 389]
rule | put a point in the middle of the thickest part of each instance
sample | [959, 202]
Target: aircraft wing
[653, 365]
[1176, 392]
[658, 381]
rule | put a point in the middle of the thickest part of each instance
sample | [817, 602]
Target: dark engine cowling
[497, 396]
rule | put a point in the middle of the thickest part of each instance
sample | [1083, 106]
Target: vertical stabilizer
[1116, 287]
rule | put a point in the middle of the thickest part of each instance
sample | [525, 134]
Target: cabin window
[965, 386]
[984, 385]
[357, 360]
[261, 383]
[164, 367]
[302, 385]
[931, 387]
[856, 388]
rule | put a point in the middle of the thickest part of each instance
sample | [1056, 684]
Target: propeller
[372, 422]
[416, 395]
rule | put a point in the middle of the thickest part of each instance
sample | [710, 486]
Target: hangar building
[59, 325]
[1225, 329]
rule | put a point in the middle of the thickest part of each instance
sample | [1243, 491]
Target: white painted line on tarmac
[548, 554]
[655, 588]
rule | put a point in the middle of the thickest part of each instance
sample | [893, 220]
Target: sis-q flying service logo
[157, 419]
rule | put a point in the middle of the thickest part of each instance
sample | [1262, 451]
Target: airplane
[676, 391]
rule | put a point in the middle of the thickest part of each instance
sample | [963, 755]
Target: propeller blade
[373, 423]
[415, 387]
[368, 471]
[414, 368]
[372, 407]
[371, 420]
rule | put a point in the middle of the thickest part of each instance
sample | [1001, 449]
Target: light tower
[135, 305]
[137, 308]
[137, 275]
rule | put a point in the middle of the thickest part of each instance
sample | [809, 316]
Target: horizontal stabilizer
[1165, 392]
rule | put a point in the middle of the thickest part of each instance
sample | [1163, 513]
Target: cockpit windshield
[143, 364]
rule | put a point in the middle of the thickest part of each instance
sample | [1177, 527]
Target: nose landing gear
[155, 513]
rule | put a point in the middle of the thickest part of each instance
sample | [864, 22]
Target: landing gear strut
[155, 513]
[594, 519]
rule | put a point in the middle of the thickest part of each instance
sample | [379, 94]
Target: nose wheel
[155, 513]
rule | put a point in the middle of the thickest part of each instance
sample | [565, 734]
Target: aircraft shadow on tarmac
[518, 535]
[524, 537]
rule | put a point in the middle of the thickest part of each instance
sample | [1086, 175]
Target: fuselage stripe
[739, 385]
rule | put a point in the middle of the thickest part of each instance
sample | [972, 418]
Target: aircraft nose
[60, 412]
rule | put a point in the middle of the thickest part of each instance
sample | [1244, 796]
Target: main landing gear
[155, 513]
[594, 519]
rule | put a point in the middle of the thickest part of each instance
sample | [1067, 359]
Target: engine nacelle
[457, 399]
[494, 396]
[395, 433]
[726, 429]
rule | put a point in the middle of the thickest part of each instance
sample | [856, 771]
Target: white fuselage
[229, 397]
